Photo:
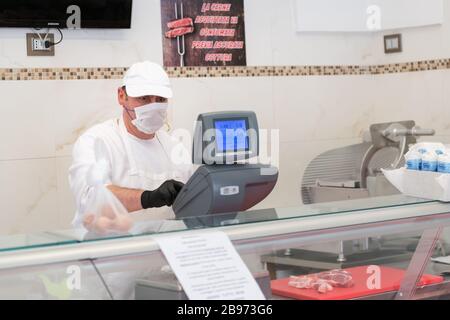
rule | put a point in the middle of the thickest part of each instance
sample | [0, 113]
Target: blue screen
[233, 135]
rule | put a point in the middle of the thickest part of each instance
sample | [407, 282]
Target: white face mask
[150, 117]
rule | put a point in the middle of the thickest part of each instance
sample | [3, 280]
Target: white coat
[135, 163]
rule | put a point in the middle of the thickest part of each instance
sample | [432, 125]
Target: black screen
[38, 13]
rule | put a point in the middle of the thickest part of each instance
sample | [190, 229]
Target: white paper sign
[208, 267]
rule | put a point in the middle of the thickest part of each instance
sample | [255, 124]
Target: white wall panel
[366, 15]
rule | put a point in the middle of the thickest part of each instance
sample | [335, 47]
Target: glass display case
[391, 247]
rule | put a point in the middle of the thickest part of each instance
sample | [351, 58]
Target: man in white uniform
[146, 168]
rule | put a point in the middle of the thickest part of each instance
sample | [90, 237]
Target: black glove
[165, 195]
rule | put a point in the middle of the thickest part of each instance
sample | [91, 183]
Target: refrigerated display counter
[397, 238]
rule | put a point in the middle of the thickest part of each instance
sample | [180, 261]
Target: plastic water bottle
[413, 161]
[444, 163]
[429, 161]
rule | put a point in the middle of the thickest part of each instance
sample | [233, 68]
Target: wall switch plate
[36, 47]
[393, 43]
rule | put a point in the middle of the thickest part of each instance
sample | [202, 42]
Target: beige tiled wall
[41, 120]
[321, 90]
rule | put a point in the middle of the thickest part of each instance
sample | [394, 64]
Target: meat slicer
[354, 172]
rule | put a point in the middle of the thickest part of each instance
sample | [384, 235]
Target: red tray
[390, 281]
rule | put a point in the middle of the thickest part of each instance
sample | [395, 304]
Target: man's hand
[165, 195]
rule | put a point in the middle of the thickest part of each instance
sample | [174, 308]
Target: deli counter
[406, 239]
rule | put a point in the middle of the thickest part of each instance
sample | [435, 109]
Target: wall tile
[28, 197]
[322, 108]
[64, 197]
[81, 105]
[26, 124]
[294, 158]
[414, 96]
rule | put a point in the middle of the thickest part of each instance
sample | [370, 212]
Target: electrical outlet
[36, 45]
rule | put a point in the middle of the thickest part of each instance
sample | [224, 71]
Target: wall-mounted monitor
[114, 14]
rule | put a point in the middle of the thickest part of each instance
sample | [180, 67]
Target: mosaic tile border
[61, 73]
[22, 74]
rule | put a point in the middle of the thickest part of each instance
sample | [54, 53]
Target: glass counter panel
[387, 257]
[36, 240]
[63, 237]
[386, 253]
[371, 268]
[78, 280]
[438, 264]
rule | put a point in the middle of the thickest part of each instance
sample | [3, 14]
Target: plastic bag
[104, 214]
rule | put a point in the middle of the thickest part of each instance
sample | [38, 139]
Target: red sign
[203, 33]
